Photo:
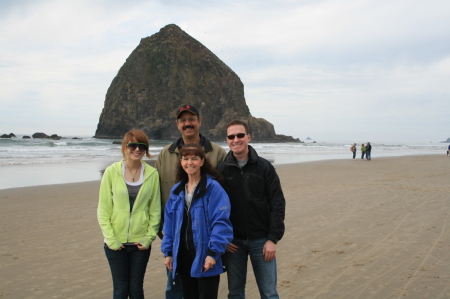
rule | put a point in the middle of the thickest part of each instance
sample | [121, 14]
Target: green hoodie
[117, 223]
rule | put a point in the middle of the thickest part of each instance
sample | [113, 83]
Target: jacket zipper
[245, 202]
[131, 212]
[129, 228]
[189, 220]
[187, 226]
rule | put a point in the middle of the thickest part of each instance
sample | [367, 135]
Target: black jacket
[257, 201]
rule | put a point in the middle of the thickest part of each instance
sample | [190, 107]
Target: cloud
[332, 69]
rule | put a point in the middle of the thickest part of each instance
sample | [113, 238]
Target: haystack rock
[170, 69]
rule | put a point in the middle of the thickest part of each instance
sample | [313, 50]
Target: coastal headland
[354, 229]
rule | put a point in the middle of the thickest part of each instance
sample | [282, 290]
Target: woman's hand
[168, 263]
[209, 263]
[140, 247]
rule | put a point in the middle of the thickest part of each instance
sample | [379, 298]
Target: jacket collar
[204, 142]
[252, 156]
[199, 191]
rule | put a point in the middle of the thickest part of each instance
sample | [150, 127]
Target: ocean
[31, 162]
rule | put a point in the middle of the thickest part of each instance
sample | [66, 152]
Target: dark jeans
[128, 267]
[354, 154]
[368, 155]
[195, 288]
[362, 155]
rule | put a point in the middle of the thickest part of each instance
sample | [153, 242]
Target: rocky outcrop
[40, 135]
[55, 137]
[446, 141]
[10, 135]
[170, 69]
[26, 137]
[43, 135]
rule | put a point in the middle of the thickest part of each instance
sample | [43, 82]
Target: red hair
[135, 136]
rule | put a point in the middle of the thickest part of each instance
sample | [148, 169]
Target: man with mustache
[188, 123]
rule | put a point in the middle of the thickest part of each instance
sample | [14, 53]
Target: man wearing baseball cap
[188, 123]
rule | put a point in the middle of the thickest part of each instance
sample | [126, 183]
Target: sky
[366, 70]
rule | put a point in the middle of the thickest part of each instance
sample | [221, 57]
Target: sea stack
[170, 69]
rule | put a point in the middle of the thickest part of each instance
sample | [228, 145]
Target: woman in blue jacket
[197, 228]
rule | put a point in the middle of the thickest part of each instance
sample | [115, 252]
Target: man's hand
[232, 248]
[269, 251]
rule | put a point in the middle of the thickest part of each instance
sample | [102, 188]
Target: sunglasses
[133, 145]
[240, 135]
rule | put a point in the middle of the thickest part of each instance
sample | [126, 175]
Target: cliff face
[170, 69]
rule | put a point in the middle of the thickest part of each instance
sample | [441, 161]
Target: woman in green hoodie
[129, 212]
[363, 151]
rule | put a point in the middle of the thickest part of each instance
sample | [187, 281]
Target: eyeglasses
[240, 135]
[184, 120]
[133, 145]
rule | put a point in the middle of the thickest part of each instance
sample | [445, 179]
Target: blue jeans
[173, 288]
[128, 267]
[265, 272]
[368, 156]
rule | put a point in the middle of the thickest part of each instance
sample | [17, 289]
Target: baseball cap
[189, 108]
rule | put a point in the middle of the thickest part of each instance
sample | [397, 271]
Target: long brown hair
[196, 150]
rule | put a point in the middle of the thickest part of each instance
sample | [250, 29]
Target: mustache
[188, 127]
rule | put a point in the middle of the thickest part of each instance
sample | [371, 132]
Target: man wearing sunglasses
[188, 123]
[257, 214]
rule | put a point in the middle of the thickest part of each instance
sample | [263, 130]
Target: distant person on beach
[353, 150]
[129, 212]
[197, 227]
[257, 214]
[448, 150]
[188, 122]
[368, 151]
[363, 151]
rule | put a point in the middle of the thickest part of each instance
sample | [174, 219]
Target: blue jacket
[211, 226]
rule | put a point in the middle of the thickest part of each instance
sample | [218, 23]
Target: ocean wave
[39, 151]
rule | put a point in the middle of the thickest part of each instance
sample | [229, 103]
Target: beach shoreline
[354, 229]
[28, 175]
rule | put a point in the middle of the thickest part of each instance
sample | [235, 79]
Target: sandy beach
[354, 229]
